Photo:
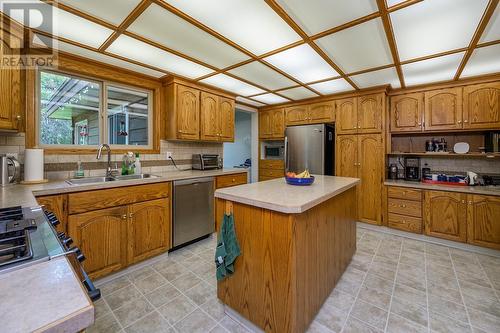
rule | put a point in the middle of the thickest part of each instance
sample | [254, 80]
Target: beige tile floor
[393, 284]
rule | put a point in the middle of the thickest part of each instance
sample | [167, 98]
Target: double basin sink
[94, 180]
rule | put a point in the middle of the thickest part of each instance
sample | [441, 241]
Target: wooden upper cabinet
[443, 109]
[226, 119]
[371, 172]
[407, 112]
[209, 117]
[322, 112]
[445, 215]
[483, 216]
[188, 113]
[102, 237]
[148, 229]
[481, 106]
[10, 90]
[346, 156]
[297, 115]
[58, 205]
[370, 110]
[346, 116]
[272, 124]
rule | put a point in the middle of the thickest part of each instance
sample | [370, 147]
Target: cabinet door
[57, 204]
[10, 90]
[346, 116]
[482, 106]
[443, 109]
[370, 171]
[445, 215]
[406, 112]
[322, 112]
[188, 113]
[148, 229]
[226, 118]
[370, 113]
[278, 123]
[102, 237]
[483, 216]
[265, 131]
[297, 115]
[209, 117]
[346, 156]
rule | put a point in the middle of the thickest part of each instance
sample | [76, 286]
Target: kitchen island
[295, 244]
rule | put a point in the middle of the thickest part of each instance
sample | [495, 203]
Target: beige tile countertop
[44, 297]
[484, 190]
[277, 195]
[24, 195]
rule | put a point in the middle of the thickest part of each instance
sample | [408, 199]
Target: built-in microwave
[274, 151]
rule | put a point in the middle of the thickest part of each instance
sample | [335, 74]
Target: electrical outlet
[169, 154]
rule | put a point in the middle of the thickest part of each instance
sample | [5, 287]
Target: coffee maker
[412, 168]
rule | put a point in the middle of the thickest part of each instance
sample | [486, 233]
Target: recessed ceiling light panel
[270, 99]
[492, 31]
[297, 93]
[432, 70]
[262, 75]
[112, 11]
[332, 86]
[484, 60]
[229, 83]
[248, 101]
[377, 78]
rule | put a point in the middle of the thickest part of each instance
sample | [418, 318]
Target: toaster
[205, 161]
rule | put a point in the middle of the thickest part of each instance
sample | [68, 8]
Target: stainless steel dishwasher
[193, 209]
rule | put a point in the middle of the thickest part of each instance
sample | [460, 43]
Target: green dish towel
[227, 249]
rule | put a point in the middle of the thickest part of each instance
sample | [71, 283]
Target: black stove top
[15, 241]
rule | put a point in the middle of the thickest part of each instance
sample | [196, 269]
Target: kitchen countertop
[484, 190]
[278, 196]
[24, 195]
[44, 297]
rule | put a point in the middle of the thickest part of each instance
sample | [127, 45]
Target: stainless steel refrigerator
[310, 147]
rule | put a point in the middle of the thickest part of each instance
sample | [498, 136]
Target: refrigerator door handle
[285, 154]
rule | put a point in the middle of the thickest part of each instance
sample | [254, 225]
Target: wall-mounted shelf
[468, 155]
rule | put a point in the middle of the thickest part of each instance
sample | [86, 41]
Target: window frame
[102, 115]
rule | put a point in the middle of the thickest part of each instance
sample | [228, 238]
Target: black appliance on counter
[28, 236]
[492, 142]
[491, 180]
[412, 168]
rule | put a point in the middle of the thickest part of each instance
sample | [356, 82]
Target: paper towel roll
[33, 165]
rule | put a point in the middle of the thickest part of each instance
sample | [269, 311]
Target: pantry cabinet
[346, 156]
[272, 124]
[58, 205]
[406, 112]
[483, 221]
[445, 215]
[10, 89]
[443, 109]
[481, 106]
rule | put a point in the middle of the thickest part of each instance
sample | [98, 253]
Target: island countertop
[278, 196]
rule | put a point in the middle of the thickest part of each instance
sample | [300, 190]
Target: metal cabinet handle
[419, 124]
[463, 201]
[124, 216]
[459, 122]
[470, 202]
[18, 117]
[466, 121]
[130, 215]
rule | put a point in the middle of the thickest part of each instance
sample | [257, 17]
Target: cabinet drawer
[113, 197]
[405, 223]
[405, 207]
[231, 180]
[272, 164]
[404, 193]
[274, 173]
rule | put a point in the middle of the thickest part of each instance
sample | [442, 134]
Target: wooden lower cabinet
[58, 205]
[445, 215]
[222, 182]
[483, 221]
[148, 229]
[102, 237]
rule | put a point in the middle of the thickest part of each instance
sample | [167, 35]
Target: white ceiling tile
[68, 26]
[170, 30]
[228, 83]
[106, 59]
[319, 15]
[112, 11]
[377, 78]
[262, 75]
[492, 31]
[303, 63]
[297, 93]
[332, 86]
[270, 99]
[248, 101]
[432, 70]
[360, 47]
[251, 24]
[391, 3]
[139, 51]
[435, 26]
[484, 60]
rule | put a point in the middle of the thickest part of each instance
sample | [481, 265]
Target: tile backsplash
[457, 165]
[63, 166]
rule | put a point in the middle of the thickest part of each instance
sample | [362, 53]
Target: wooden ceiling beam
[134, 14]
[488, 13]
[344, 26]
[402, 5]
[389, 33]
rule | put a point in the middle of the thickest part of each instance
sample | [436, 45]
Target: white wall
[236, 153]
